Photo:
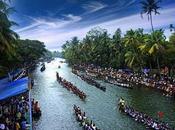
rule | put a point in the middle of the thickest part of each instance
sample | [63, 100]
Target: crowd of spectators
[146, 120]
[163, 83]
[14, 113]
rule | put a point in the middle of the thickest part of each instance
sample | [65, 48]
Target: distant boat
[62, 61]
[42, 68]
[119, 84]
[42, 64]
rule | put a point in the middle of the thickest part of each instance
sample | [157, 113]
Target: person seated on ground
[18, 115]
[17, 126]
[6, 110]
[7, 121]
[154, 125]
[2, 126]
[23, 124]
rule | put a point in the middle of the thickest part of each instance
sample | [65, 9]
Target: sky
[56, 21]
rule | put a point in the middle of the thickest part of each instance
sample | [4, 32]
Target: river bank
[56, 102]
[164, 84]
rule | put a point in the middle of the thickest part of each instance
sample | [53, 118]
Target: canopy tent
[9, 89]
[3, 81]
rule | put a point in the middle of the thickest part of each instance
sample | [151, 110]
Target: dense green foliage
[7, 36]
[57, 54]
[29, 51]
[16, 53]
[135, 49]
[25, 53]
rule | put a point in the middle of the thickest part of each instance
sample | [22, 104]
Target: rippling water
[56, 102]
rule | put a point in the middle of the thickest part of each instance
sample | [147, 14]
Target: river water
[56, 102]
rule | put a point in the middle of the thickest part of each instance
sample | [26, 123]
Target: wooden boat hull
[36, 115]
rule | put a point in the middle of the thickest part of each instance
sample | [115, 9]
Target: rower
[84, 116]
[57, 74]
[93, 126]
[36, 107]
[75, 107]
[79, 117]
[121, 103]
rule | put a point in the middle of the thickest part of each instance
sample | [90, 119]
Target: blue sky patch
[55, 21]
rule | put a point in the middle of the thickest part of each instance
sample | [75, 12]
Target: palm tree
[131, 58]
[149, 7]
[132, 40]
[154, 46]
[7, 36]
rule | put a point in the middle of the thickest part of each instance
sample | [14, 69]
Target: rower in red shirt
[160, 114]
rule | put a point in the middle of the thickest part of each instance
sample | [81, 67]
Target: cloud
[165, 18]
[54, 32]
[50, 23]
[27, 27]
[73, 17]
[93, 6]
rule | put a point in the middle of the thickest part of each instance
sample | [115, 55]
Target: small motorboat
[62, 61]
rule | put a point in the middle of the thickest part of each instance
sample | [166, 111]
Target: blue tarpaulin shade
[9, 89]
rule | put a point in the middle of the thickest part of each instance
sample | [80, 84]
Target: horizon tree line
[135, 50]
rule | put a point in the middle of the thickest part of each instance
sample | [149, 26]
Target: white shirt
[2, 126]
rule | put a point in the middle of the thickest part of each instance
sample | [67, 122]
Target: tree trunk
[170, 71]
[151, 22]
[158, 65]
[150, 66]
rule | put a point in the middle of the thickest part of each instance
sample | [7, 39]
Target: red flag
[160, 114]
